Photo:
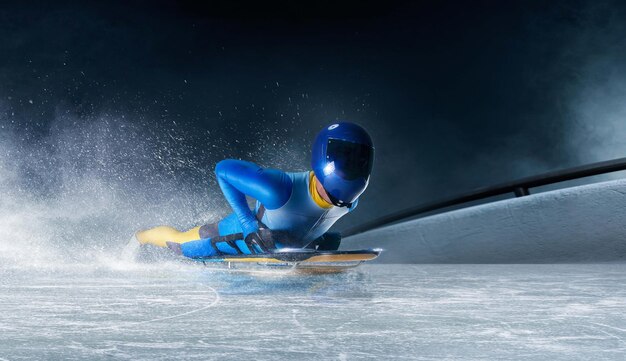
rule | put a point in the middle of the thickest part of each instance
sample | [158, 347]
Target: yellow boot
[159, 235]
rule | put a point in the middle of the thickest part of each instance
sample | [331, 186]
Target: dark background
[456, 95]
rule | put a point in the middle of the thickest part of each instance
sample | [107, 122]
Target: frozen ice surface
[413, 312]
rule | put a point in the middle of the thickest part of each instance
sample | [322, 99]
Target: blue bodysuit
[284, 204]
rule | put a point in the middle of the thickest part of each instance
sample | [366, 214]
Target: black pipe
[519, 188]
[521, 191]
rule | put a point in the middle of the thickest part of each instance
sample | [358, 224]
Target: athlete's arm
[238, 179]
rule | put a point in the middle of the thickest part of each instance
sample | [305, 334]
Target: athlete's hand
[261, 238]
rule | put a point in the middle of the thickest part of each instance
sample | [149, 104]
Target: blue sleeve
[239, 179]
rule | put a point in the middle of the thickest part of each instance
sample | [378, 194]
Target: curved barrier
[519, 188]
[576, 224]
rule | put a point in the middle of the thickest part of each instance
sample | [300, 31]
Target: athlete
[293, 210]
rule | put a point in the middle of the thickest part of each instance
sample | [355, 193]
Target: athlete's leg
[159, 235]
[205, 247]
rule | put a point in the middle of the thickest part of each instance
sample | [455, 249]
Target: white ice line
[213, 303]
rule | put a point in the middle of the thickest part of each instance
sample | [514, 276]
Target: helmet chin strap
[338, 202]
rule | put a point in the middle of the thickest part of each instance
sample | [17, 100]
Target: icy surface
[577, 224]
[417, 312]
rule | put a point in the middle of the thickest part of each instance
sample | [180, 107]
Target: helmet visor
[351, 160]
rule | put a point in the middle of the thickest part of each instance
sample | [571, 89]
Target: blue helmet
[342, 159]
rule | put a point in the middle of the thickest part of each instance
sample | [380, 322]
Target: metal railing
[519, 188]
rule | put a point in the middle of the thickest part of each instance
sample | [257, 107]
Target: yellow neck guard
[317, 198]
